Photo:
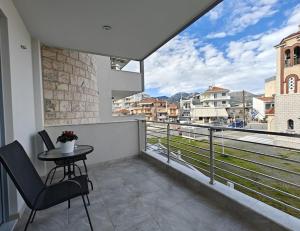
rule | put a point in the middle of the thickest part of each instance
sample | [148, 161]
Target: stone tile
[134, 195]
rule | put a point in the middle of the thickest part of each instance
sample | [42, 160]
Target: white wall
[111, 140]
[110, 81]
[259, 106]
[21, 98]
[23, 108]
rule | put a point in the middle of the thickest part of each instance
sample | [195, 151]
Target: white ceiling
[139, 27]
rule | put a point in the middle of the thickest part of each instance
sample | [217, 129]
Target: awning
[209, 112]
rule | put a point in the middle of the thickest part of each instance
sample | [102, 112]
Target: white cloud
[244, 14]
[216, 13]
[244, 64]
[217, 35]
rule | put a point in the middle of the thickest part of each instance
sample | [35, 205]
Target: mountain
[166, 98]
[236, 97]
[176, 97]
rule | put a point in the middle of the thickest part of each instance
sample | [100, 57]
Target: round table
[67, 158]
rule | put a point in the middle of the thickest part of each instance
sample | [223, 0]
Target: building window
[290, 124]
[296, 55]
[223, 94]
[287, 58]
[215, 96]
[223, 102]
[215, 104]
[291, 85]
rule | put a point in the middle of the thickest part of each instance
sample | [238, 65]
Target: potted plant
[67, 141]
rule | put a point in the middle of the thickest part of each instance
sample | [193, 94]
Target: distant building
[237, 112]
[287, 99]
[173, 112]
[155, 110]
[185, 110]
[127, 102]
[270, 87]
[261, 105]
[210, 106]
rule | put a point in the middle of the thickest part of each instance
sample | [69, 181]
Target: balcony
[136, 188]
[138, 194]
[214, 99]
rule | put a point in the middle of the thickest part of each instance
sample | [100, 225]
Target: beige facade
[270, 87]
[287, 99]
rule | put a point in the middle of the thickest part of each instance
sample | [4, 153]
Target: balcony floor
[136, 195]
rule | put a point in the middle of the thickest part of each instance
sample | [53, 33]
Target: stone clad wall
[69, 87]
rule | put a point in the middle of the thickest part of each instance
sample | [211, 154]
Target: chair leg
[53, 176]
[91, 183]
[32, 219]
[86, 172]
[50, 174]
[29, 219]
[64, 175]
[88, 199]
[87, 213]
[80, 172]
[85, 168]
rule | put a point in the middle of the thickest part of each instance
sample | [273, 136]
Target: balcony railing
[246, 160]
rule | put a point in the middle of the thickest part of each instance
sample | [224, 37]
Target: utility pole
[244, 109]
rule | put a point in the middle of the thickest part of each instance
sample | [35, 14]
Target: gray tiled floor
[135, 195]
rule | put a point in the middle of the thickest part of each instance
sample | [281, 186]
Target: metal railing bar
[197, 167]
[199, 161]
[259, 193]
[257, 153]
[201, 134]
[258, 163]
[256, 182]
[233, 129]
[190, 164]
[202, 162]
[194, 146]
[151, 126]
[251, 142]
[195, 153]
[258, 173]
[154, 136]
[164, 133]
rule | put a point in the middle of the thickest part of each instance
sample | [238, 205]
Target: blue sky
[232, 46]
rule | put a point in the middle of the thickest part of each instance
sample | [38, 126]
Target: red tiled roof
[172, 105]
[216, 89]
[270, 111]
[151, 100]
[266, 99]
[148, 100]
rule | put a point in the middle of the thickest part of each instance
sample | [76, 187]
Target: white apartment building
[128, 102]
[211, 106]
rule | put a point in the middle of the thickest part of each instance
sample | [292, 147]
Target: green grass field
[231, 161]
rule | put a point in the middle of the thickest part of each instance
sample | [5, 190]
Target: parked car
[217, 124]
[237, 124]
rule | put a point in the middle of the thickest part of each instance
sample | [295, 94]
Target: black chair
[49, 145]
[36, 194]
